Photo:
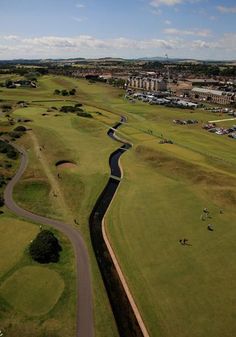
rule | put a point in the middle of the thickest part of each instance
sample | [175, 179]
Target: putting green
[33, 290]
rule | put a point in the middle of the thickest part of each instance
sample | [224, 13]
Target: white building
[147, 83]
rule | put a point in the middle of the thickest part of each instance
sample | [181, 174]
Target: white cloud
[167, 22]
[201, 44]
[213, 18]
[80, 19]
[12, 46]
[224, 9]
[80, 5]
[156, 11]
[157, 3]
[195, 32]
[10, 37]
[51, 44]
[173, 3]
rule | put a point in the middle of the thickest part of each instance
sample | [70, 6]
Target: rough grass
[31, 194]
[43, 287]
[11, 245]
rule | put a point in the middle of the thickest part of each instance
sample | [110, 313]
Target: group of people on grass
[204, 216]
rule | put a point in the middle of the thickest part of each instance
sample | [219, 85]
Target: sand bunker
[65, 164]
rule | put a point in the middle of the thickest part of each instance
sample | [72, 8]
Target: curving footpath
[128, 319]
[84, 319]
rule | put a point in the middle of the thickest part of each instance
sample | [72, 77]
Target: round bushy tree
[45, 248]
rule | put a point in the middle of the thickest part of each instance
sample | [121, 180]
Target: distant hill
[115, 59]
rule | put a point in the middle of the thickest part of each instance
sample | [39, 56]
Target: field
[180, 290]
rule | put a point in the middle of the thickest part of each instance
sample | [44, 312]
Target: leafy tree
[45, 248]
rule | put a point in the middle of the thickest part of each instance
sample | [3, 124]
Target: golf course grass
[34, 300]
[180, 290]
[42, 286]
[174, 284]
[8, 239]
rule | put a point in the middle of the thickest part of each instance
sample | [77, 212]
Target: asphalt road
[84, 319]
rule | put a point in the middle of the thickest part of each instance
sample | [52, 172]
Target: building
[213, 96]
[147, 83]
[202, 81]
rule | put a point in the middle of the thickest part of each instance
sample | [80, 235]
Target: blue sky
[124, 28]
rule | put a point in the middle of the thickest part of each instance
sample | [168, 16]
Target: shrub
[84, 114]
[45, 248]
[2, 180]
[72, 92]
[1, 201]
[6, 107]
[67, 108]
[64, 92]
[12, 154]
[79, 109]
[16, 134]
[8, 150]
[20, 128]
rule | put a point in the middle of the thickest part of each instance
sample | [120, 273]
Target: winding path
[84, 317]
[128, 319]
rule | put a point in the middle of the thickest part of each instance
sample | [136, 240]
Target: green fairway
[180, 290]
[173, 285]
[40, 290]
